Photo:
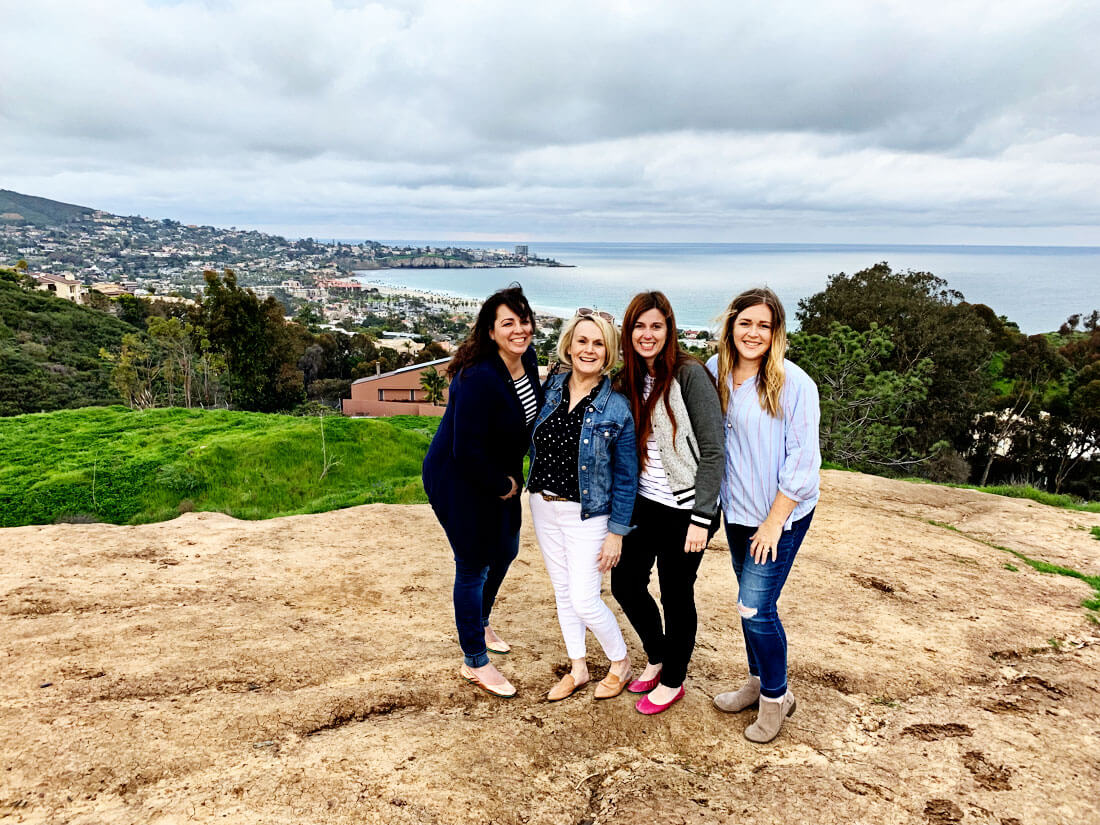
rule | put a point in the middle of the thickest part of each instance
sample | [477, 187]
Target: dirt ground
[305, 670]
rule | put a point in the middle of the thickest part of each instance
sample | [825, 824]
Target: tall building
[521, 250]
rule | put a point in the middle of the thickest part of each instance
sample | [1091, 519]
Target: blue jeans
[758, 588]
[477, 581]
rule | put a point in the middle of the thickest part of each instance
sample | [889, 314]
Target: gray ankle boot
[736, 701]
[770, 719]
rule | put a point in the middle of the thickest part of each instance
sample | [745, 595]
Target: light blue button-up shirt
[766, 455]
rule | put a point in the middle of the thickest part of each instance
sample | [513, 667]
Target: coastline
[462, 301]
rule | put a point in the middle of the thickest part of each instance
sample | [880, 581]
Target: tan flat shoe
[504, 691]
[498, 647]
[566, 687]
[611, 685]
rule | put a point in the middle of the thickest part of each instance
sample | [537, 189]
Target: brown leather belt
[549, 497]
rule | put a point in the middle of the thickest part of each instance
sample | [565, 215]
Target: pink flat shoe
[650, 708]
[638, 686]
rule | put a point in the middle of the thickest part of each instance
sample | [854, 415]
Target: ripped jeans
[758, 588]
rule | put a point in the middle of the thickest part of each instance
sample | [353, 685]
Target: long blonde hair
[771, 368]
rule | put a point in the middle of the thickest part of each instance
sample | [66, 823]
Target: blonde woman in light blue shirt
[769, 490]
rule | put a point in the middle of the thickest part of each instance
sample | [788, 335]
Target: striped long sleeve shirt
[766, 455]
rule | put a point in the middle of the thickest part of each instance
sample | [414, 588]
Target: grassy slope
[41, 212]
[49, 352]
[116, 465]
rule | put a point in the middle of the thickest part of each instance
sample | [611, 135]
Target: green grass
[1066, 502]
[116, 465]
[1040, 496]
[1091, 604]
[1095, 532]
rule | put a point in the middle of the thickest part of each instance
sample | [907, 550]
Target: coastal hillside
[29, 210]
[49, 352]
[304, 669]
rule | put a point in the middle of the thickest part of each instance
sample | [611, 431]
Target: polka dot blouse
[557, 447]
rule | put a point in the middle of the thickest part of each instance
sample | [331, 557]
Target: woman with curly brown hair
[473, 472]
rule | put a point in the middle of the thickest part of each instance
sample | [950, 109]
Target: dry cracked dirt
[305, 670]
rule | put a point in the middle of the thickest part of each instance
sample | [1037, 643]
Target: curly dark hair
[478, 345]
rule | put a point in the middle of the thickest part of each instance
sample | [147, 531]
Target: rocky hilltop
[304, 670]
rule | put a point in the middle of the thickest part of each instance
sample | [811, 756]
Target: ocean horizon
[1037, 287]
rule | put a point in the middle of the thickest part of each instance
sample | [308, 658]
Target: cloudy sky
[617, 120]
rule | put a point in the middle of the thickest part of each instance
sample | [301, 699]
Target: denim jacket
[607, 466]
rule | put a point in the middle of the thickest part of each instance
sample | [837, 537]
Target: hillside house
[395, 393]
[110, 289]
[68, 288]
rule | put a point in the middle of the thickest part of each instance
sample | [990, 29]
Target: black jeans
[659, 536]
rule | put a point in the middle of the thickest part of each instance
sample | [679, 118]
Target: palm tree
[433, 384]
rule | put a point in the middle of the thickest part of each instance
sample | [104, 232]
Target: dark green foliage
[928, 321]
[122, 466]
[865, 406]
[49, 352]
[434, 385]
[330, 391]
[257, 345]
[1043, 426]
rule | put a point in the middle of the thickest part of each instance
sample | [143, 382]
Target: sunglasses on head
[585, 312]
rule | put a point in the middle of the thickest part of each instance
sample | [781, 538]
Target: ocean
[1037, 287]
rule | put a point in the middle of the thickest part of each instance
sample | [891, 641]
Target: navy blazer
[481, 441]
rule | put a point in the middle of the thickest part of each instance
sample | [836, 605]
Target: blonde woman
[584, 476]
[769, 491]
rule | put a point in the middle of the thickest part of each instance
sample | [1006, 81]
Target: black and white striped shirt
[652, 481]
[526, 395]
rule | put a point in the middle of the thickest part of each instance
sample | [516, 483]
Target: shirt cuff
[702, 519]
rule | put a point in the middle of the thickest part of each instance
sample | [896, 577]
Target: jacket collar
[600, 400]
[528, 359]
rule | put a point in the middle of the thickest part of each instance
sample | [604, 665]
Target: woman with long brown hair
[473, 471]
[769, 492]
[679, 425]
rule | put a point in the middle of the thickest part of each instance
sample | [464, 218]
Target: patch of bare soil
[306, 670]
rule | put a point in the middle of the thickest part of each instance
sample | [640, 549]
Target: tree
[174, 339]
[434, 384]
[136, 370]
[1073, 433]
[254, 340]
[928, 321]
[132, 310]
[864, 405]
[310, 318]
[1029, 379]
[432, 352]
[311, 363]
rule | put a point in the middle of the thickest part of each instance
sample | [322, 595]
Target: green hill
[42, 212]
[49, 352]
[116, 465]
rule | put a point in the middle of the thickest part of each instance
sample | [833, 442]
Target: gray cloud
[572, 120]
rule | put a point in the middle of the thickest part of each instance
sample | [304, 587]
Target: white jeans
[570, 547]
